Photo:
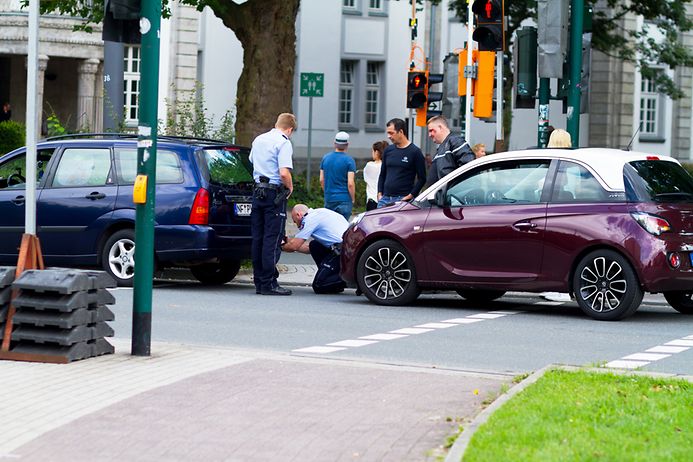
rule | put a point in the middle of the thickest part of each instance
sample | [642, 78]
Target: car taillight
[652, 158]
[674, 260]
[651, 223]
[199, 214]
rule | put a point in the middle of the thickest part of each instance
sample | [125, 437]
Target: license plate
[243, 210]
[691, 257]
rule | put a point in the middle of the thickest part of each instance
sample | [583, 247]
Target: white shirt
[270, 152]
[371, 173]
[324, 225]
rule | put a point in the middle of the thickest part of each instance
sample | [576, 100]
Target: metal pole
[113, 64]
[577, 9]
[543, 129]
[31, 119]
[310, 139]
[146, 166]
[468, 99]
[499, 99]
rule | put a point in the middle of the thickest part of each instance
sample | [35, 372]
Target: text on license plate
[243, 210]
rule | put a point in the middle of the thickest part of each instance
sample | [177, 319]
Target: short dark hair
[398, 124]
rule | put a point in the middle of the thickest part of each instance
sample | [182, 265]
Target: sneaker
[276, 290]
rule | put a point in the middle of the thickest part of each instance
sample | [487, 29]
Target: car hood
[396, 207]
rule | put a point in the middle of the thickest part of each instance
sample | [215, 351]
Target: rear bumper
[197, 244]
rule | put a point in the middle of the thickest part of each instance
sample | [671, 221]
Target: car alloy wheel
[386, 274]
[606, 287]
[118, 256]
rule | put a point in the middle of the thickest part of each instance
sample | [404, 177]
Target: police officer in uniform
[271, 155]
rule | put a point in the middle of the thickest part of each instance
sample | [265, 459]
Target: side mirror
[439, 198]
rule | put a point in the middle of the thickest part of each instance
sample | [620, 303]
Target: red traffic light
[416, 89]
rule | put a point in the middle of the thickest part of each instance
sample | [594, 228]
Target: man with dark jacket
[403, 169]
[453, 150]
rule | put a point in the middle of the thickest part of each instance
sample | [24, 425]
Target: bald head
[298, 212]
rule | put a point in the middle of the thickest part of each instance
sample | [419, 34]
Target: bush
[315, 198]
[12, 136]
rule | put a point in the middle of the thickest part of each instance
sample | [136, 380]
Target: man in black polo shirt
[403, 169]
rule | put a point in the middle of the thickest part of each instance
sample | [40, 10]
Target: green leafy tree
[267, 32]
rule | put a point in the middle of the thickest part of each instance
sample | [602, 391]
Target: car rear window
[168, 168]
[657, 180]
[225, 166]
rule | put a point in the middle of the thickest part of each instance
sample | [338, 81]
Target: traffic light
[490, 27]
[416, 89]
[121, 21]
[423, 113]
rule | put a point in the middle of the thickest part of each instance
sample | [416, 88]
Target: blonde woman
[479, 150]
[559, 139]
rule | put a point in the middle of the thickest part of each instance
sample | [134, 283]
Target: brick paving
[188, 403]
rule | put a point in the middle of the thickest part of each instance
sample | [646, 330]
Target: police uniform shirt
[270, 152]
[323, 225]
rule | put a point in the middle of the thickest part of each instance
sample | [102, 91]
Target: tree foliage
[657, 46]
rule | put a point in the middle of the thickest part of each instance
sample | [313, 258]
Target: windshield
[656, 180]
[226, 166]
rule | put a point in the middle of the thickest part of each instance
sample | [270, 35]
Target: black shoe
[276, 290]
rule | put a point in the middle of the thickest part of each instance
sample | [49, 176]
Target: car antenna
[634, 135]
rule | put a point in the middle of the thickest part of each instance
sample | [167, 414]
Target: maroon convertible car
[603, 225]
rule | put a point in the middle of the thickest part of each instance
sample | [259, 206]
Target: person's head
[379, 149]
[5, 106]
[438, 129]
[286, 122]
[479, 150]
[397, 132]
[559, 139]
[298, 212]
[341, 141]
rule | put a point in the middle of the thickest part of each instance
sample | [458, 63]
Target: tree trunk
[267, 32]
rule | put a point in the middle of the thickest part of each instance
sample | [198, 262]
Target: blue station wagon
[85, 214]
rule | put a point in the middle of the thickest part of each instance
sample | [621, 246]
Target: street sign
[312, 84]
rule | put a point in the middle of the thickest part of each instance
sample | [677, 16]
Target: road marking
[404, 332]
[655, 353]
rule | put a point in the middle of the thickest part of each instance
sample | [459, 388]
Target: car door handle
[95, 195]
[19, 200]
[525, 226]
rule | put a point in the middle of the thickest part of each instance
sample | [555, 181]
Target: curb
[460, 445]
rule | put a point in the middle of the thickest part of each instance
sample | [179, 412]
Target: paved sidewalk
[191, 403]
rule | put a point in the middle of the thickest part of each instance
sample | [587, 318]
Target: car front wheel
[213, 274]
[386, 274]
[681, 301]
[606, 286]
[118, 257]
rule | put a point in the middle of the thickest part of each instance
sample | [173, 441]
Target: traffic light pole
[577, 9]
[146, 170]
[499, 102]
[468, 99]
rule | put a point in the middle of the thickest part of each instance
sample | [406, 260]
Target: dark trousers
[318, 251]
[268, 226]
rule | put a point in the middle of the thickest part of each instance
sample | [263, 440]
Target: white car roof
[606, 164]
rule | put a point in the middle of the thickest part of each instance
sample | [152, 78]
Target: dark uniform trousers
[268, 227]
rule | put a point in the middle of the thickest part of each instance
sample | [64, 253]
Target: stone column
[86, 93]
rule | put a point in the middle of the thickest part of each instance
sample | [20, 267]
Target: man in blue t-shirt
[337, 171]
[403, 170]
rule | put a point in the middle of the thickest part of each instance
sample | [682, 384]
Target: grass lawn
[584, 416]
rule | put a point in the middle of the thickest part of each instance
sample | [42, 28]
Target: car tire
[213, 274]
[680, 300]
[118, 257]
[606, 286]
[480, 296]
[386, 274]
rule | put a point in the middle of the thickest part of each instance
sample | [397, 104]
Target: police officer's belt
[268, 185]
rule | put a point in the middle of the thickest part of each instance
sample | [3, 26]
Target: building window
[649, 108]
[349, 4]
[372, 92]
[346, 93]
[131, 84]
[375, 5]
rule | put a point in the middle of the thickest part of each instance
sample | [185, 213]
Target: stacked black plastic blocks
[63, 312]
[6, 278]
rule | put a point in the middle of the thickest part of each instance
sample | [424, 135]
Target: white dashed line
[404, 332]
[655, 353]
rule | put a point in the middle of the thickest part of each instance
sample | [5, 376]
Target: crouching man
[326, 228]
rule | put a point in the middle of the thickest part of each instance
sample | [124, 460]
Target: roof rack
[134, 135]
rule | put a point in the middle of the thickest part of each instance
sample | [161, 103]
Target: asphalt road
[516, 334]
